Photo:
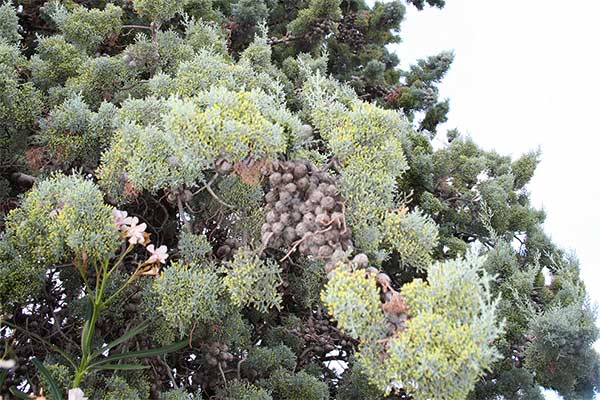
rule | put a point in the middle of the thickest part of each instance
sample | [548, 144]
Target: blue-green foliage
[368, 142]
[158, 10]
[317, 11]
[188, 294]
[75, 134]
[204, 35]
[286, 385]
[355, 385]
[179, 394]
[208, 69]
[561, 353]
[250, 12]
[117, 388]
[244, 391]
[10, 55]
[246, 201]
[192, 247]
[191, 134]
[101, 79]
[87, 28]
[451, 328]
[60, 217]
[59, 373]
[161, 55]
[253, 282]
[412, 235]
[55, 61]
[266, 360]
[20, 102]
[9, 23]
[511, 384]
[352, 298]
[191, 85]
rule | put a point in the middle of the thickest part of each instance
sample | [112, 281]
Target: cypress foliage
[241, 200]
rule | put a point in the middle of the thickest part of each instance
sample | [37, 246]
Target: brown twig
[239, 364]
[186, 223]
[169, 372]
[222, 373]
[137, 26]
[214, 195]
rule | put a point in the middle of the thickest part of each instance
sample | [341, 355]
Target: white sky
[526, 75]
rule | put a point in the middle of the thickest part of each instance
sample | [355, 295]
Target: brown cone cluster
[305, 213]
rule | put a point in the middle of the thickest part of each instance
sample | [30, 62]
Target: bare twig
[294, 246]
[213, 194]
[137, 26]
[186, 223]
[169, 372]
[212, 180]
[239, 365]
[222, 373]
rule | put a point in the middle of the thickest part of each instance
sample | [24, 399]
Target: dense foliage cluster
[241, 200]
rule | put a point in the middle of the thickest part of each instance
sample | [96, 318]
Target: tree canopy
[213, 199]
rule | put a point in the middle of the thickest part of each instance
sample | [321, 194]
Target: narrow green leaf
[54, 390]
[44, 341]
[89, 311]
[142, 353]
[3, 374]
[18, 394]
[131, 333]
[119, 366]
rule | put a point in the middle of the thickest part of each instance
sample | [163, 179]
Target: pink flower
[7, 364]
[76, 394]
[121, 219]
[135, 232]
[158, 255]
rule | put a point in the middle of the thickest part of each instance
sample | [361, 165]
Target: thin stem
[169, 372]
[239, 366]
[186, 223]
[222, 373]
[119, 290]
[120, 260]
[212, 180]
[137, 26]
[87, 340]
[79, 268]
[97, 305]
[214, 195]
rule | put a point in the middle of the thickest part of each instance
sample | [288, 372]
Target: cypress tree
[241, 200]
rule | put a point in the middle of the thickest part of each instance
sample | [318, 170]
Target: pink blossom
[135, 232]
[158, 255]
[7, 364]
[76, 394]
[121, 219]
